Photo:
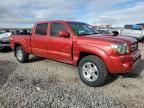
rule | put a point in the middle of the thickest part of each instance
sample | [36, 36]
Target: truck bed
[24, 40]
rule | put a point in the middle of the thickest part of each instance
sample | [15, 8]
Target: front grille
[134, 46]
[4, 42]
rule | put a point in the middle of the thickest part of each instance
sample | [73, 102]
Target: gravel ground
[43, 83]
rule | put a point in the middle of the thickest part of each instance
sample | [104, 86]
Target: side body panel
[24, 41]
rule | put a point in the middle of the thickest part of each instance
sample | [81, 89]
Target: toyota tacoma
[96, 55]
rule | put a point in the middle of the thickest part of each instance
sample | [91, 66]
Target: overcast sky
[24, 13]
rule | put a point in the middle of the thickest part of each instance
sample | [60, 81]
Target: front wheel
[21, 55]
[93, 71]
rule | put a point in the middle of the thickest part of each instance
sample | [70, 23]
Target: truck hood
[3, 35]
[104, 39]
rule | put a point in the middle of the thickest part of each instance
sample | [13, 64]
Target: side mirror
[64, 34]
[115, 33]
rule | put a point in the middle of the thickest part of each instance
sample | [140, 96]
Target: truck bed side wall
[23, 40]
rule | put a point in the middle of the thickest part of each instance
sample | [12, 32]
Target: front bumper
[125, 63]
[4, 45]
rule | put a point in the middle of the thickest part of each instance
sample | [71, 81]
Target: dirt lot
[43, 83]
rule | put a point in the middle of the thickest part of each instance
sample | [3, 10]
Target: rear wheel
[21, 55]
[93, 71]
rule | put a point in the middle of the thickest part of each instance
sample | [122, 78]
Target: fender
[24, 43]
[95, 51]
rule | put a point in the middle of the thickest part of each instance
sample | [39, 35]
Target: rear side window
[56, 28]
[41, 29]
[128, 27]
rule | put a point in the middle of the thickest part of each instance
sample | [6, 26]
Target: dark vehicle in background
[22, 32]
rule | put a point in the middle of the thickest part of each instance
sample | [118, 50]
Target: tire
[143, 40]
[96, 75]
[21, 55]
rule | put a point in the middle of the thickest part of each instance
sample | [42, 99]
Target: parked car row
[97, 55]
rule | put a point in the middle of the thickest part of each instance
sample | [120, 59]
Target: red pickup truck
[96, 55]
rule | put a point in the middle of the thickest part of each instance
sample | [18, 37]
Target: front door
[60, 48]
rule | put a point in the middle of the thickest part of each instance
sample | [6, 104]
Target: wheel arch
[99, 53]
[15, 47]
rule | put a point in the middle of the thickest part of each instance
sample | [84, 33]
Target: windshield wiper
[87, 34]
[95, 33]
[84, 34]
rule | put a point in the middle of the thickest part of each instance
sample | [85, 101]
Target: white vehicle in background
[4, 39]
[136, 31]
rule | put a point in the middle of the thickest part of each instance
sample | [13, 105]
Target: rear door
[60, 48]
[40, 40]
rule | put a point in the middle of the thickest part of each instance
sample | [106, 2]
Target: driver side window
[56, 28]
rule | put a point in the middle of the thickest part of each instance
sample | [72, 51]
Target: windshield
[104, 32]
[81, 29]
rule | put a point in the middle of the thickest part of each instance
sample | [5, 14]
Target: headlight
[121, 48]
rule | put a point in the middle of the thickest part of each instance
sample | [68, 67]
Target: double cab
[96, 55]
